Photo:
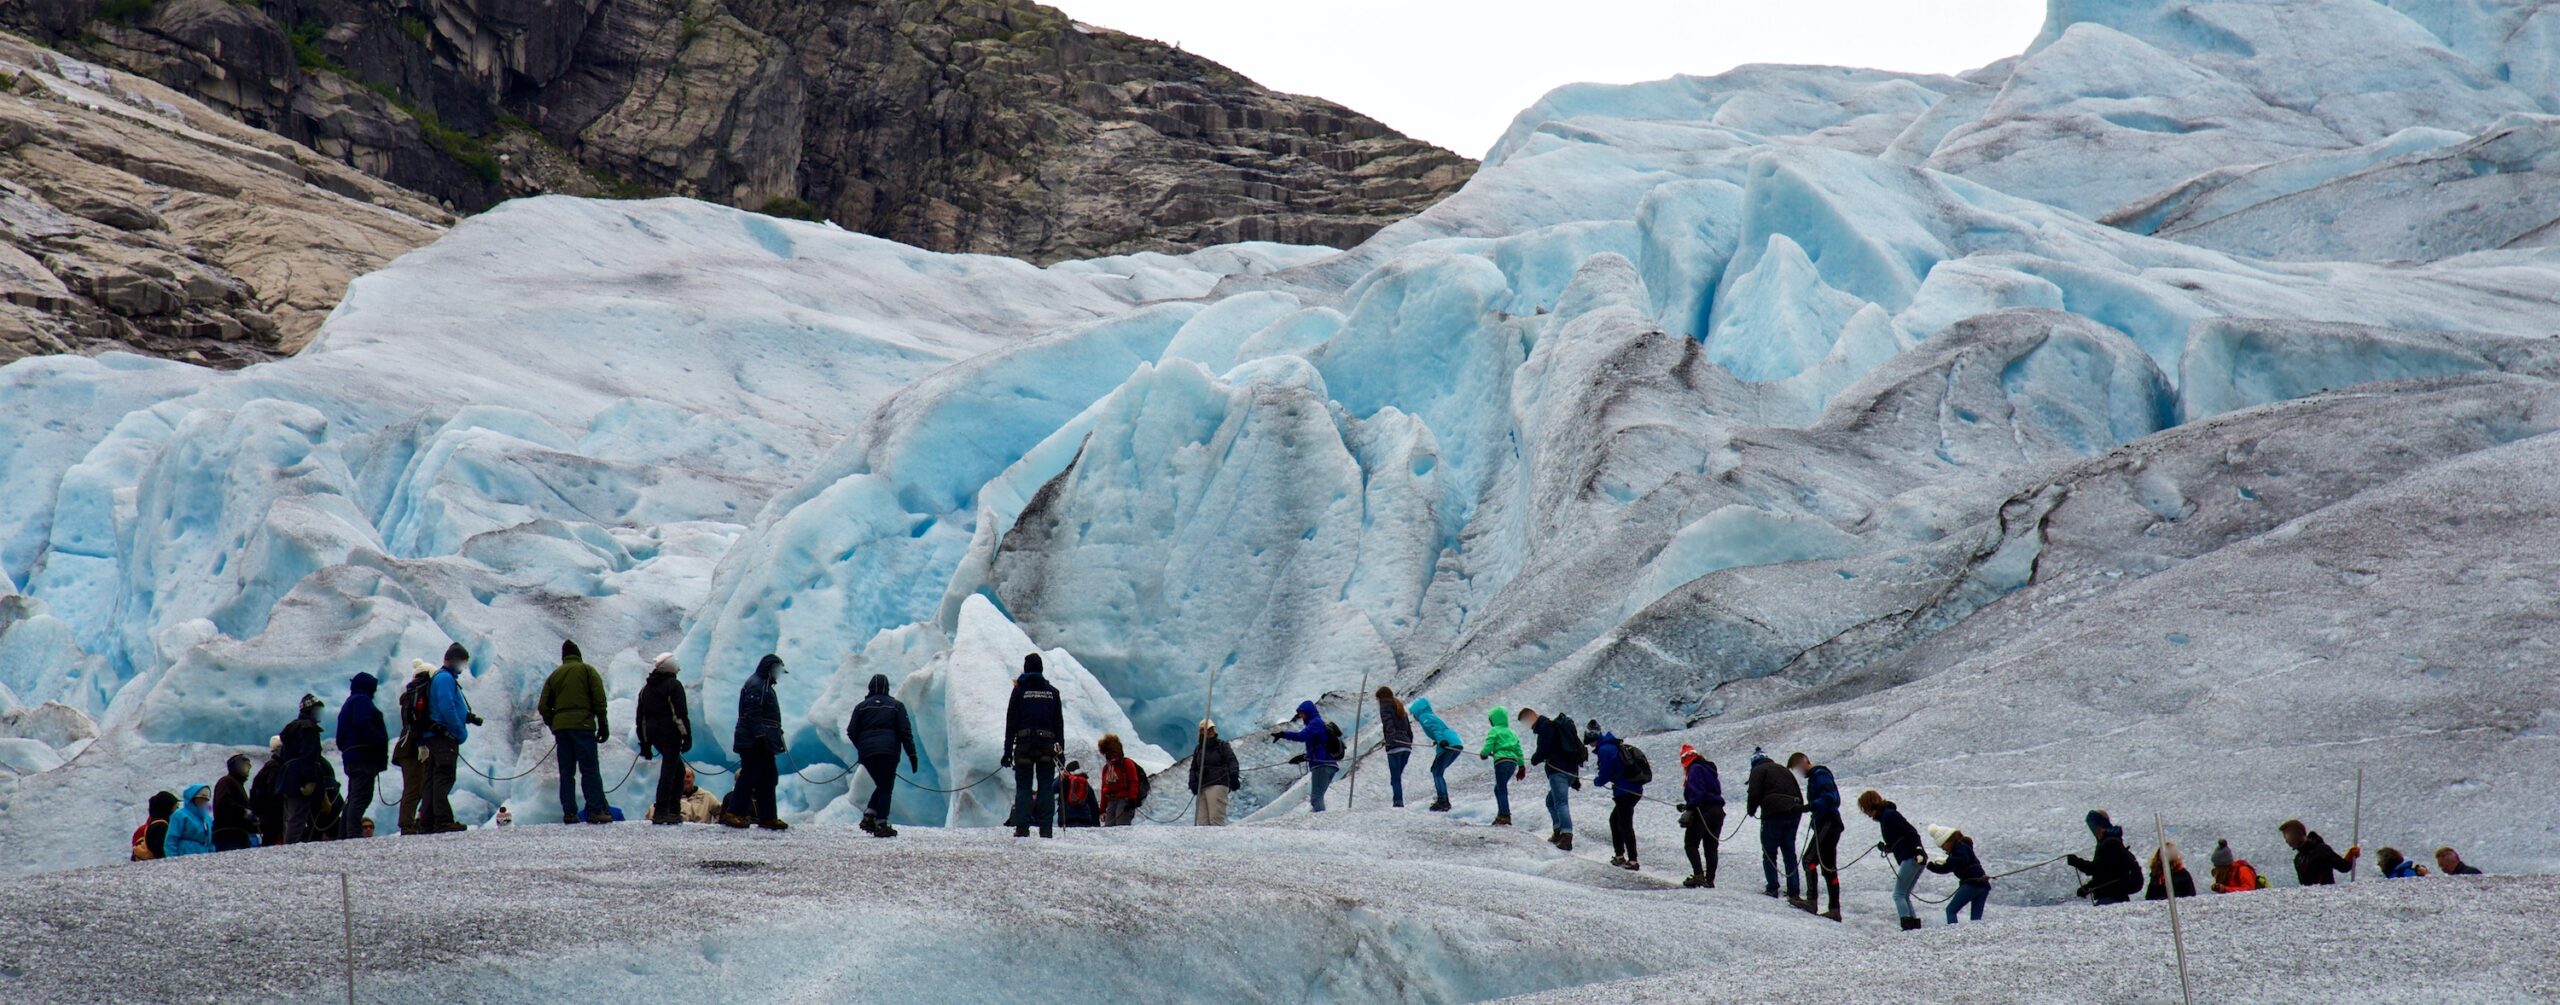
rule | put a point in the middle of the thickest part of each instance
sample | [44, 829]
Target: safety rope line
[2002, 875]
[538, 763]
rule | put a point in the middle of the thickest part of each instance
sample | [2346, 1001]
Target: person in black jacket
[760, 744]
[880, 731]
[1560, 751]
[2178, 878]
[1774, 796]
[2314, 862]
[235, 822]
[666, 728]
[1901, 841]
[1973, 886]
[298, 783]
[266, 800]
[1214, 777]
[364, 748]
[406, 751]
[2114, 874]
[1035, 734]
[1397, 727]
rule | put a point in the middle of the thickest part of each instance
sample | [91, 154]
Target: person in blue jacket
[449, 722]
[1822, 849]
[191, 827]
[1610, 759]
[1701, 816]
[1902, 842]
[1319, 759]
[364, 749]
[1973, 886]
[1446, 745]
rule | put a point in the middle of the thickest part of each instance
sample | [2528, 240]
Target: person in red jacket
[1123, 783]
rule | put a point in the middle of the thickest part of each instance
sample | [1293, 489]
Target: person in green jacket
[1502, 747]
[573, 706]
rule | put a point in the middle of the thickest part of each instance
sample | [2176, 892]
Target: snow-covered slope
[1805, 407]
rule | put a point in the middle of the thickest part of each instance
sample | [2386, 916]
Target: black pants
[1622, 824]
[884, 780]
[1035, 788]
[752, 798]
[1824, 850]
[359, 803]
[669, 801]
[436, 814]
[1699, 832]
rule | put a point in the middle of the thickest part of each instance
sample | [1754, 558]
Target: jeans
[1212, 811]
[1035, 795]
[359, 804]
[435, 815]
[1778, 839]
[1906, 874]
[1968, 894]
[1699, 833]
[884, 781]
[577, 755]
[1319, 778]
[1560, 800]
[1502, 772]
[1622, 825]
[1440, 771]
[752, 797]
[1395, 771]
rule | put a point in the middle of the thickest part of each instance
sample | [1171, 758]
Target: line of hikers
[295, 796]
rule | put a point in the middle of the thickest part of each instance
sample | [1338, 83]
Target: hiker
[1822, 847]
[266, 798]
[698, 806]
[235, 822]
[1560, 752]
[151, 840]
[1621, 769]
[2397, 866]
[1035, 734]
[1773, 796]
[880, 730]
[190, 827]
[448, 723]
[364, 747]
[298, 784]
[1973, 886]
[2314, 862]
[503, 818]
[1446, 745]
[759, 744]
[2450, 863]
[408, 751]
[2233, 874]
[1701, 816]
[1077, 805]
[2179, 882]
[1320, 758]
[573, 706]
[1502, 747]
[1899, 840]
[666, 728]
[1124, 784]
[1215, 776]
[2114, 875]
[1397, 729]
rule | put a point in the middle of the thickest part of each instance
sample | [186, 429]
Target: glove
[1005, 762]
[1300, 759]
[684, 742]
[913, 766]
[1279, 736]
[1521, 776]
[1577, 785]
[474, 719]
[1484, 757]
[1881, 847]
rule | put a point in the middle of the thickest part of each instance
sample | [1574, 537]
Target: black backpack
[1633, 768]
[1333, 746]
[1568, 754]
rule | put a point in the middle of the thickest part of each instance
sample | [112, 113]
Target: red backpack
[1076, 790]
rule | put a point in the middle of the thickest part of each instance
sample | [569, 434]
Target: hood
[1308, 709]
[363, 683]
[879, 684]
[2098, 822]
[569, 652]
[1607, 739]
[1420, 706]
[1499, 717]
[769, 666]
[163, 804]
[188, 798]
[1759, 757]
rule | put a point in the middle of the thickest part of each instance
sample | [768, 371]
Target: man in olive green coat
[573, 706]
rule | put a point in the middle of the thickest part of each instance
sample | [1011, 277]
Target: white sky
[1454, 71]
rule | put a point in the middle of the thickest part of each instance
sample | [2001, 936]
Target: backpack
[1333, 746]
[1146, 785]
[1569, 754]
[1633, 769]
[413, 709]
[1076, 790]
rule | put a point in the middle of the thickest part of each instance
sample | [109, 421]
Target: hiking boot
[1022, 832]
[1564, 841]
[1439, 806]
[1695, 880]
[1618, 860]
[1911, 924]
[733, 820]
[1633, 866]
[569, 818]
[869, 824]
[1834, 914]
[1807, 906]
[665, 821]
[774, 825]
[1772, 893]
[883, 830]
[1502, 821]
[599, 818]
[1044, 832]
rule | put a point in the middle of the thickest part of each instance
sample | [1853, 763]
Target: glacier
[2160, 419]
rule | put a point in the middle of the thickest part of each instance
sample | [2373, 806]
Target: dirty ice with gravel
[2158, 420]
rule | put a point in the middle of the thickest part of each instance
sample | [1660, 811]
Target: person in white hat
[1214, 777]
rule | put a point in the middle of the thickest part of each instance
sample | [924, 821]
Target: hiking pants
[1699, 832]
[359, 804]
[1212, 808]
[1035, 794]
[1622, 825]
[883, 770]
[1777, 840]
[435, 815]
[413, 789]
[1502, 772]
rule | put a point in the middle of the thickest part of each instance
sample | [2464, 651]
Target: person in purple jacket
[1701, 816]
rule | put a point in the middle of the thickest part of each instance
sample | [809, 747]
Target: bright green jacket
[1499, 742]
[574, 698]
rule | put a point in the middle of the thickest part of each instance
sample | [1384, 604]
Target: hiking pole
[347, 916]
[2177, 935]
[2355, 837]
[1352, 797]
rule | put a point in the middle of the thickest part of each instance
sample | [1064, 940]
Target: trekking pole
[347, 916]
[1352, 797]
[2355, 837]
[2177, 935]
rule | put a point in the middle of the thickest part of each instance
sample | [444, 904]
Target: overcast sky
[1454, 71]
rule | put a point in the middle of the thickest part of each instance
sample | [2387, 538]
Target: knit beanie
[2098, 821]
[568, 651]
[2222, 857]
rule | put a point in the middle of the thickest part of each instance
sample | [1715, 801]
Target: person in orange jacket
[1123, 783]
[2231, 873]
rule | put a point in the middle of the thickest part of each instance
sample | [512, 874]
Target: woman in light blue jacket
[191, 827]
[1446, 745]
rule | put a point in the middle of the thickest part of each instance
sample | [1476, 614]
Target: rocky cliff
[133, 217]
[978, 125]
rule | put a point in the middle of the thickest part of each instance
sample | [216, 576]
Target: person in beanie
[1321, 765]
[1397, 728]
[1446, 745]
[2231, 873]
[1774, 797]
[1215, 776]
[2114, 875]
[881, 730]
[1701, 816]
[1973, 886]
[449, 722]
[235, 820]
[2449, 862]
[1822, 850]
[1502, 747]
[1901, 841]
[2314, 862]
[760, 746]
[298, 783]
[1035, 736]
[573, 706]
[364, 749]
[666, 728]
[410, 751]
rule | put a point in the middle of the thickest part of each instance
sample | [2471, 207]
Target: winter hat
[454, 654]
[1031, 663]
[275, 745]
[310, 702]
[1758, 755]
[770, 664]
[568, 651]
[666, 663]
[162, 804]
[1938, 835]
[1207, 726]
[2098, 821]
[1074, 766]
[2222, 857]
[421, 666]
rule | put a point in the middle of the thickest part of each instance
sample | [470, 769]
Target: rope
[982, 780]
[802, 774]
[702, 770]
[2025, 868]
[537, 766]
[626, 775]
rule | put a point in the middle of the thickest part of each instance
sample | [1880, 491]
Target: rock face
[987, 126]
[133, 217]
